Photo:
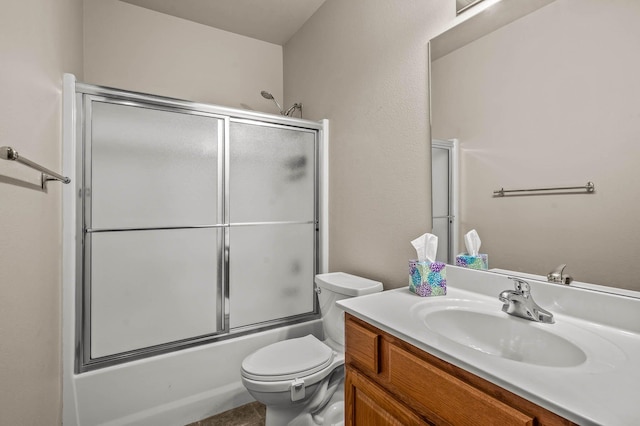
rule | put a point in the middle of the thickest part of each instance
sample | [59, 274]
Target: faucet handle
[521, 285]
[558, 276]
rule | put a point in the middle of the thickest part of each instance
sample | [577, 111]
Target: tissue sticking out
[472, 259]
[472, 242]
[426, 247]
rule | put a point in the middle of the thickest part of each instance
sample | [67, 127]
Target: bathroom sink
[586, 360]
[503, 336]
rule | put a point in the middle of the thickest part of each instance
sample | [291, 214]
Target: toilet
[301, 380]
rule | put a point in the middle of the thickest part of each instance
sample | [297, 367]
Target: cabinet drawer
[362, 347]
[446, 396]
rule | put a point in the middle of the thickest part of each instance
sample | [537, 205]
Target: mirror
[551, 99]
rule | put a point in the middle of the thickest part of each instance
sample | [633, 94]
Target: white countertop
[605, 389]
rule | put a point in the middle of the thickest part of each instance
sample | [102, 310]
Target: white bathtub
[172, 389]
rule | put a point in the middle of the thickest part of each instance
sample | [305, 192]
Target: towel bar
[589, 187]
[8, 153]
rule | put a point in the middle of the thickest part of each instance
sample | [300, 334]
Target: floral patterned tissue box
[427, 278]
[481, 261]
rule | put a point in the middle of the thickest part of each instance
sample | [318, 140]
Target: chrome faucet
[519, 303]
[558, 276]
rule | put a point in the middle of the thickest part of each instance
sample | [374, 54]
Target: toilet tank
[336, 286]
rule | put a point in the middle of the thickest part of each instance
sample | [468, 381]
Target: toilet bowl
[301, 380]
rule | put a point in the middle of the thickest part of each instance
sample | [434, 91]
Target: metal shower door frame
[451, 146]
[85, 95]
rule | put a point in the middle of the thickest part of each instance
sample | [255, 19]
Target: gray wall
[39, 41]
[363, 65]
[133, 48]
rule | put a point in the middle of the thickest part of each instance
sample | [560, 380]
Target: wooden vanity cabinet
[390, 382]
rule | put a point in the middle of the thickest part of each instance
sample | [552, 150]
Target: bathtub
[172, 389]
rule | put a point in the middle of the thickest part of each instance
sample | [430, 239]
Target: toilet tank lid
[347, 284]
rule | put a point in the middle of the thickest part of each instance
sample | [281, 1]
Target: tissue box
[481, 261]
[427, 278]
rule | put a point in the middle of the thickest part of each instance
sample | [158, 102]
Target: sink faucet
[558, 276]
[519, 303]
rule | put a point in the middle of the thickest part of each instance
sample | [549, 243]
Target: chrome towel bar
[8, 153]
[589, 187]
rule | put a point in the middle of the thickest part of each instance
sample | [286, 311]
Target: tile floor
[252, 414]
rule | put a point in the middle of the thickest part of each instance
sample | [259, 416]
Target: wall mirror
[546, 94]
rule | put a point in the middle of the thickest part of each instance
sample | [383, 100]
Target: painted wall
[129, 47]
[558, 108]
[363, 65]
[39, 41]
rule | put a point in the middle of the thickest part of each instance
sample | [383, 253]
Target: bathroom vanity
[389, 381]
[458, 359]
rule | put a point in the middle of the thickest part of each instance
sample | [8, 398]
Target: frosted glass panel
[271, 174]
[152, 168]
[271, 272]
[152, 287]
[440, 181]
[441, 230]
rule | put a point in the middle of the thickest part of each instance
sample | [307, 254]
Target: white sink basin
[504, 336]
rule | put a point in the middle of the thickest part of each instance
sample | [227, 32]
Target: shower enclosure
[195, 223]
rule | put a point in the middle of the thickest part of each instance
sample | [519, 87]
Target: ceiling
[274, 21]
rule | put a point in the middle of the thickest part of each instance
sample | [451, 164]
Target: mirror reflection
[551, 99]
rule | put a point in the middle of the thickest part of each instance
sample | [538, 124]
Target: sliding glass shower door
[196, 225]
[153, 226]
[272, 222]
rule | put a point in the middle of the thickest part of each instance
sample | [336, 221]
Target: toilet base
[279, 416]
[331, 415]
[325, 408]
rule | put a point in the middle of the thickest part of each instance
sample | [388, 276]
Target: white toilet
[301, 380]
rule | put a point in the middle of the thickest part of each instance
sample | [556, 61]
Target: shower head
[268, 95]
[288, 112]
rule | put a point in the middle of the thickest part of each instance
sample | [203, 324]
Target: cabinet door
[367, 404]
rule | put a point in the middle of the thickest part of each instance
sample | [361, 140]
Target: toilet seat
[288, 359]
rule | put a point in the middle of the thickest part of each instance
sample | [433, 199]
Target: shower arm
[292, 109]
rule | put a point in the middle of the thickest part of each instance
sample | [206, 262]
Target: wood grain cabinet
[390, 382]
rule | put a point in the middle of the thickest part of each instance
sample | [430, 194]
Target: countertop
[605, 389]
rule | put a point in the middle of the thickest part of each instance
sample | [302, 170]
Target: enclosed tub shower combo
[192, 235]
